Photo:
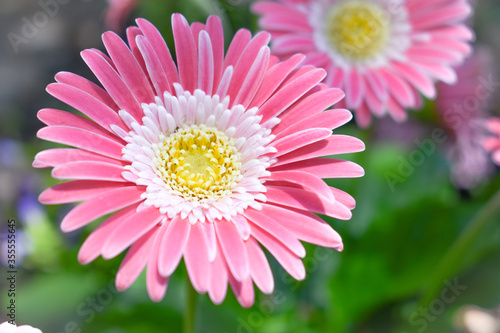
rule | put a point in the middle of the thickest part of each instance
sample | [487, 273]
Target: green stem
[450, 263]
[190, 310]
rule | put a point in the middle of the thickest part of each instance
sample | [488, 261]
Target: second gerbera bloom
[381, 52]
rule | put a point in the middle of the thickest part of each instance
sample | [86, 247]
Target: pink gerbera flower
[381, 52]
[462, 109]
[202, 160]
[492, 143]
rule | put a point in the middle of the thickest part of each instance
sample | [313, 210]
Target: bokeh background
[422, 251]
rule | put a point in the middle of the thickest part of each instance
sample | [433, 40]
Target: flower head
[381, 52]
[462, 110]
[203, 159]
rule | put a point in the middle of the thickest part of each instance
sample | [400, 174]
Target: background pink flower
[383, 53]
[201, 160]
[492, 143]
[462, 108]
[118, 12]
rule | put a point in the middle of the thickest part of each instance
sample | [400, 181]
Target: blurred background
[422, 251]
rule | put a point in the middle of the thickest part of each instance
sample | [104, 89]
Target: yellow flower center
[199, 162]
[358, 30]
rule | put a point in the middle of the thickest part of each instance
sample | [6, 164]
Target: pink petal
[205, 63]
[135, 260]
[300, 139]
[285, 21]
[218, 278]
[132, 228]
[304, 179]
[155, 283]
[233, 249]
[260, 271]
[209, 230]
[100, 205]
[355, 89]
[433, 55]
[89, 170]
[160, 48]
[196, 258]
[113, 83]
[493, 125]
[253, 79]
[236, 48]
[243, 227]
[311, 105]
[94, 243]
[288, 260]
[343, 198]
[243, 291]
[363, 116]
[77, 190]
[376, 82]
[293, 43]
[330, 119]
[185, 50]
[324, 168]
[441, 72]
[154, 68]
[128, 67]
[457, 31]
[304, 225]
[56, 156]
[214, 29]
[82, 139]
[87, 86]
[132, 33]
[196, 28]
[273, 78]
[296, 198]
[491, 144]
[290, 93]
[334, 144]
[376, 105]
[440, 16]
[397, 112]
[173, 245]
[87, 104]
[255, 52]
[53, 117]
[276, 230]
[399, 89]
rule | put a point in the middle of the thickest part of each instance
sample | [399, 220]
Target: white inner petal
[194, 156]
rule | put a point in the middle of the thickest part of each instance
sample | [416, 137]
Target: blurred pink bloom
[492, 143]
[9, 328]
[381, 52]
[118, 12]
[462, 109]
[202, 160]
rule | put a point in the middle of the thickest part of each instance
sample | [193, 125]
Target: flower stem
[190, 310]
[451, 261]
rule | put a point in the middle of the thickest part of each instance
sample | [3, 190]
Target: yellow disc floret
[198, 163]
[358, 30]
